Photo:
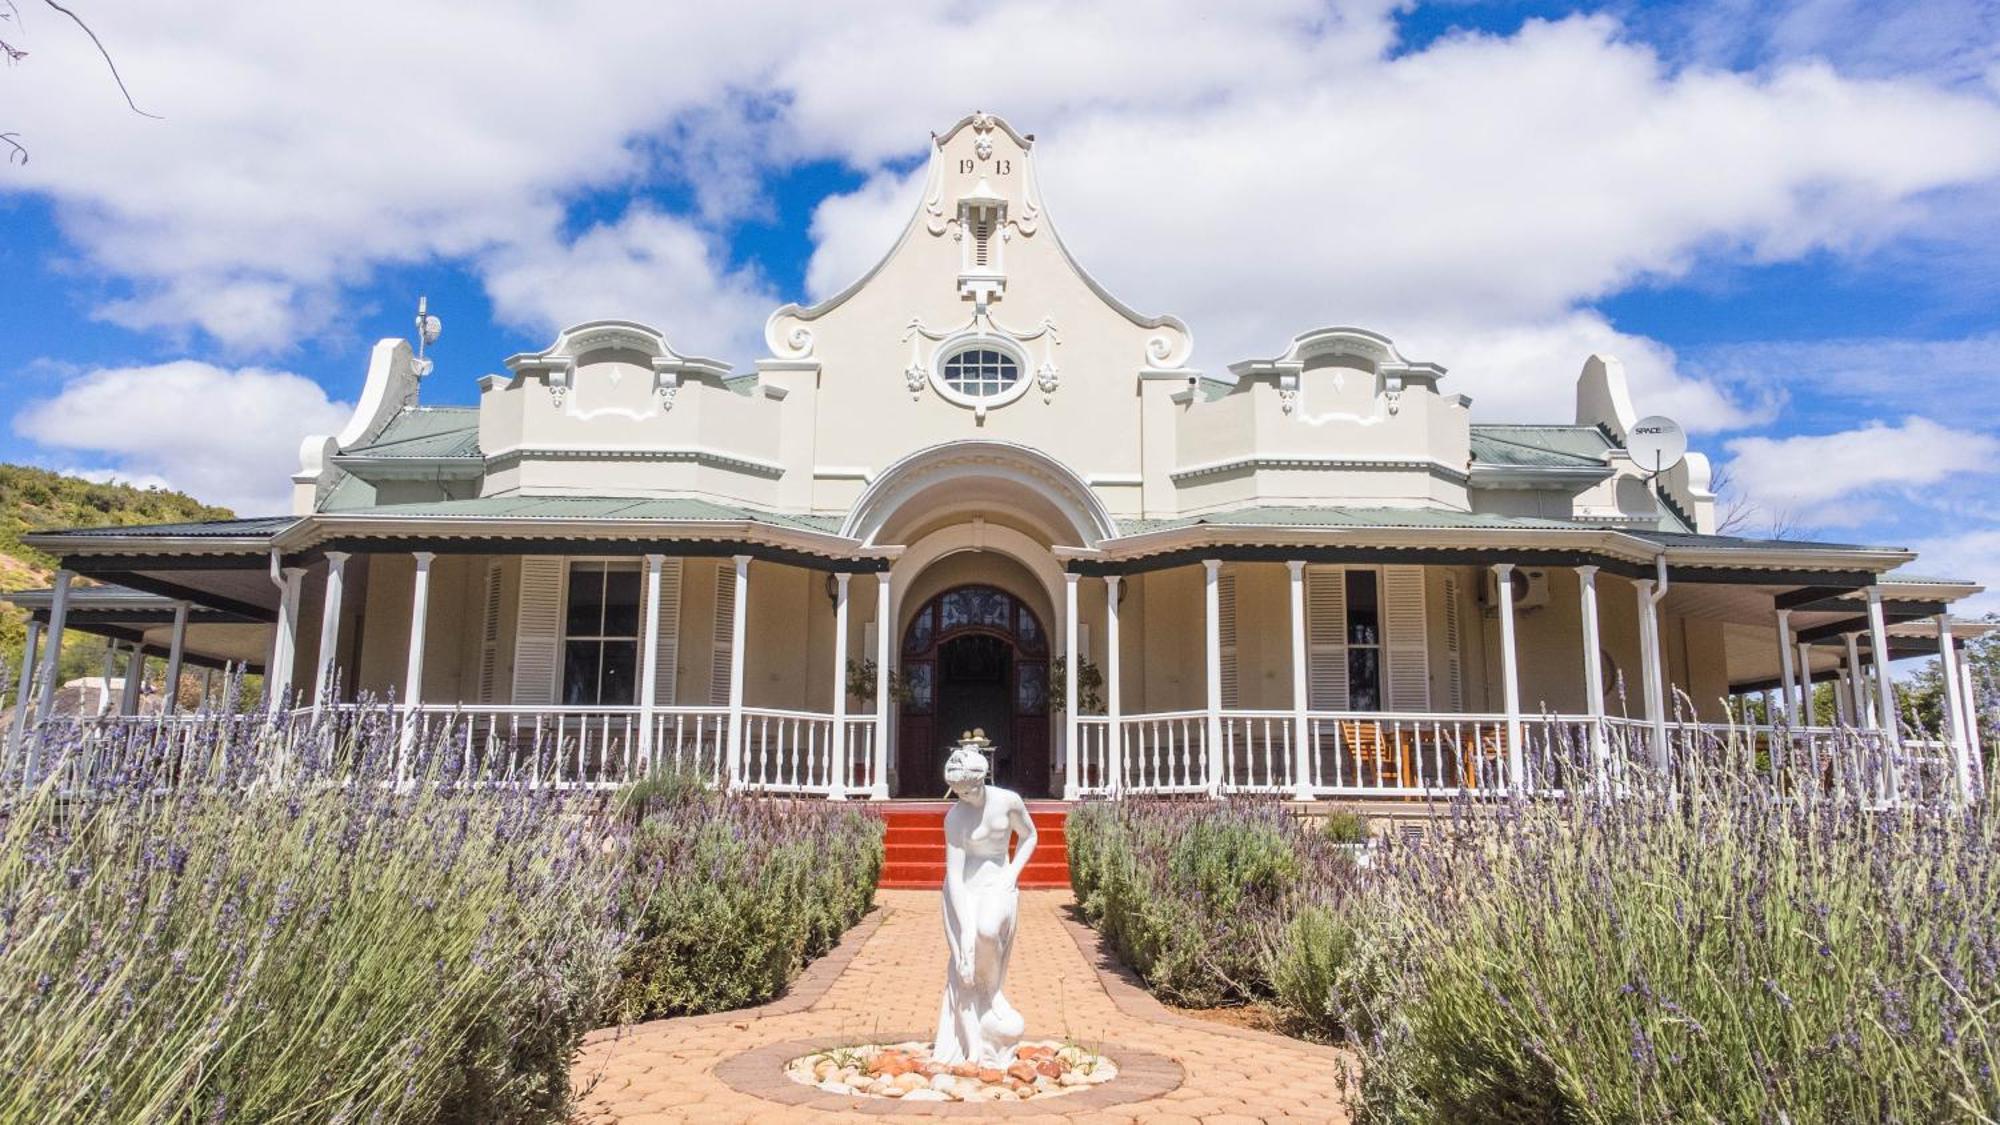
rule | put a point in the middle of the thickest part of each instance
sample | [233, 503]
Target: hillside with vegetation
[34, 500]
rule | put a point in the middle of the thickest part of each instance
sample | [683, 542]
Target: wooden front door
[974, 651]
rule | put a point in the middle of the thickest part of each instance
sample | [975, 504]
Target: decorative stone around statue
[975, 1023]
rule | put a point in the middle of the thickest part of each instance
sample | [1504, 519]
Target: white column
[885, 628]
[52, 652]
[1113, 697]
[1593, 665]
[24, 688]
[1786, 693]
[841, 759]
[1968, 694]
[1071, 704]
[1857, 683]
[1885, 692]
[1510, 675]
[329, 627]
[649, 662]
[420, 608]
[1649, 669]
[170, 697]
[135, 679]
[1212, 590]
[284, 642]
[1842, 716]
[105, 706]
[1301, 722]
[1954, 709]
[738, 626]
[1807, 713]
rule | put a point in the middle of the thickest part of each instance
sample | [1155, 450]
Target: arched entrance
[974, 656]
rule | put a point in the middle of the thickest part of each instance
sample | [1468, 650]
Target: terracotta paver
[883, 983]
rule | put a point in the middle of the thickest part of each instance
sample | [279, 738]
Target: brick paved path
[883, 983]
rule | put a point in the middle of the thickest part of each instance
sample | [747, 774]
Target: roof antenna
[429, 328]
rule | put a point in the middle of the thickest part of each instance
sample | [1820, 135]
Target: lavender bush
[317, 922]
[308, 951]
[1698, 947]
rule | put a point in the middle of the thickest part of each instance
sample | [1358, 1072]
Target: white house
[1310, 572]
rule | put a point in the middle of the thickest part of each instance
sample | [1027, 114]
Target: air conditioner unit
[1531, 590]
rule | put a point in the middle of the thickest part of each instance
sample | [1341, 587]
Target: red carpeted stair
[913, 856]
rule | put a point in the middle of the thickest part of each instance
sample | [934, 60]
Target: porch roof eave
[359, 531]
[1616, 550]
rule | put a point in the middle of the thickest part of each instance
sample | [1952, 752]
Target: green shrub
[732, 896]
[1194, 895]
[1345, 828]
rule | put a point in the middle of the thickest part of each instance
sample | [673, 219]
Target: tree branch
[99, 43]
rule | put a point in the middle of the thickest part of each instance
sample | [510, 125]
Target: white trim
[1055, 482]
[1305, 461]
[698, 454]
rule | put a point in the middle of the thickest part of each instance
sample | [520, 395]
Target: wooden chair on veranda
[1387, 754]
[1482, 756]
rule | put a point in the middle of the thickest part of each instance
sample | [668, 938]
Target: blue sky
[1780, 216]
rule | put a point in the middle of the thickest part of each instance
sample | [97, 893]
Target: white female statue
[975, 1022]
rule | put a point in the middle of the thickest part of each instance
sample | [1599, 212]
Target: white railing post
[885, 627]
[170, 696]
[649, 661]
[1954, 711]
[1510, 674]
[1593, 670]
[1071, 704]
[738, 626]
[1212, 596]
[1968, 695]
[1114, 730]
[840, 757]
[329, 627]
[1301, 723]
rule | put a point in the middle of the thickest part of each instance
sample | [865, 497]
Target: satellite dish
[1656, 443]
[431, 328]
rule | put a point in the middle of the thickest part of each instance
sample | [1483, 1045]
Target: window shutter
[1454, 673]
[538, 636]
[489, 637]
[1326, 638]
[1408, 655]
[723, 635]
[667, 644]
[1225, 589]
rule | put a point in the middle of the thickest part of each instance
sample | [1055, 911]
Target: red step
[913, 845]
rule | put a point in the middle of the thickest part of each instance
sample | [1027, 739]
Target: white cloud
[1812, 477]
[1884, 373]
[1258, 168]
[649, 267]
[1969, 555]
[228, 437]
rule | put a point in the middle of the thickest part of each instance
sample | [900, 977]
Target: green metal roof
[595, 507]
[426, 432]
[1540, 447]
[1282, 516]
[217, 529]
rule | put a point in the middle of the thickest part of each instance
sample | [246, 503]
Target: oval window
[981, 373]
